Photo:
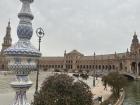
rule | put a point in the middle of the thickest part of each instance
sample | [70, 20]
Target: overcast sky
[103, 26]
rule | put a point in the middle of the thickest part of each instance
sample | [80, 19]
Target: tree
[61, 89]
[105, 79]
[116, 81]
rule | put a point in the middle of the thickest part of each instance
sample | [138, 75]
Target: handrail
[121, 99]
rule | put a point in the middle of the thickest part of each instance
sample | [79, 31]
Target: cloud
[104, 26]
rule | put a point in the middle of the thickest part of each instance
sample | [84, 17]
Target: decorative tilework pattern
[22, 47]
[24, 31]
[20, 55]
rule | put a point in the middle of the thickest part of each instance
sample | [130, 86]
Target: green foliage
[116, 81]
[61, 89]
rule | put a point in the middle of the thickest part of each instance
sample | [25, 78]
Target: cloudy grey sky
[104, 26]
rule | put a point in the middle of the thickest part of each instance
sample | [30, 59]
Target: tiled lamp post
[23, 56]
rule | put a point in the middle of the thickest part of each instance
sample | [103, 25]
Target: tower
[135, 44]
[7, 40]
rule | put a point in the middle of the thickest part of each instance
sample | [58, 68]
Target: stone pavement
[7, 94]
[100, 91]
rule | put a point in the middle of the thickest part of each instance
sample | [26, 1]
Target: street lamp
[94, 71]
[40, 34]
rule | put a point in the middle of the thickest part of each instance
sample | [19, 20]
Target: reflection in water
[132, 93]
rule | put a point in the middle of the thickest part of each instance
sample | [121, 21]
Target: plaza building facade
[128, 61]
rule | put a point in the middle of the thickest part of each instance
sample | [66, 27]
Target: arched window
[84, 66]
[78, 66]
[110, 67]
[2, 66]
[113, 67]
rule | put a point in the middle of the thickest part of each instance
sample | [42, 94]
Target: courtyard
[7, 93]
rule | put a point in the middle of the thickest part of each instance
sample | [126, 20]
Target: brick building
[128, 61]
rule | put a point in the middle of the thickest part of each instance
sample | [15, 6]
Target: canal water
[132, 93]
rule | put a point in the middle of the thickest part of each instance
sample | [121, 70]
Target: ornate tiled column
[22, 56]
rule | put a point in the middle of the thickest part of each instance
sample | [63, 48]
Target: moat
[132, 93]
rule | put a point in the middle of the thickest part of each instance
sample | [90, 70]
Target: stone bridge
[129, 75]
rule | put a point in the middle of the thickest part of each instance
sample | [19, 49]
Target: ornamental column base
[21, 88]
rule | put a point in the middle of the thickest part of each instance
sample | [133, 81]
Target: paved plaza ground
[7, 93]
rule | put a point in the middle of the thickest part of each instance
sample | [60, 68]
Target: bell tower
[135, 44]
[7, 41]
